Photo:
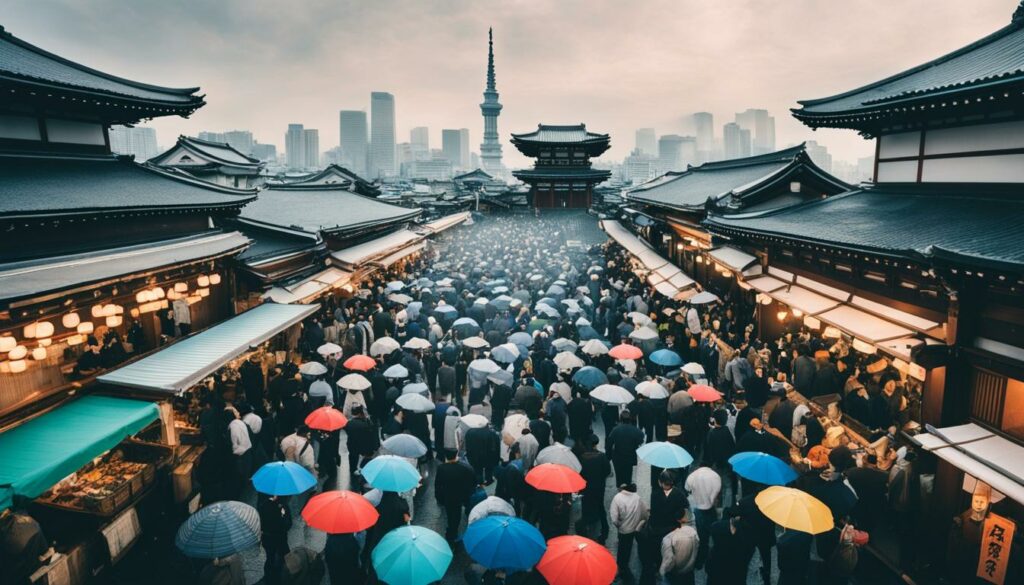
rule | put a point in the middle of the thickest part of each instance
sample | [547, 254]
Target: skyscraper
[138, 141]
[646, 141]
[451, 147]
[311, 143]
[354, 135]
[420, 137]
[736, 140]
[464, 159]
[240, 140]
[295, 146]
[490, 149]
[670, 153]
[819, 154]
[761, 127]
[382, 135]
[704, 128]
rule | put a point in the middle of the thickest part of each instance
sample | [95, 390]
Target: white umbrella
[628, 365]
[474, 421]
[401, 299]
[481, 301]
[563, 344]
[384, 346]
[415, 403]
[567, 361]
[484, 365]
[644, 333]
[475, 342]
[313, 369]
[328, 349]
[581, 322]
[416, 388]
[703, 298]
[611, 394]
[396, 285]
[354, 382]
[694, 369]
[513, 427]
[490, 506]
[595, 347]
[396, 371]
[506, 353]
[560, 454]
[638, 318]
[652, 390]
[563, 390]
[417, 343]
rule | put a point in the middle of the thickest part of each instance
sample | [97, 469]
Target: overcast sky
[616, 65]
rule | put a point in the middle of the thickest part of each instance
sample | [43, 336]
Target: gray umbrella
[404, 445]
[491, 506]
[560, 454]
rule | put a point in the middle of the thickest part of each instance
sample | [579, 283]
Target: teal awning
[39, 453]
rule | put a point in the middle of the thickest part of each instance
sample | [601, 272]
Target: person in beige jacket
[679, 552]
[628, 513]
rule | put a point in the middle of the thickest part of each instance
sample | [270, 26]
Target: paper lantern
[7, 343]
[831, 333]
[203, 292]
[764, 299]
[917, 372]
[798, 313]
[19, 352]
[70, 320]
[142, 296]
[29, 332]
[214, 279]
[39, 354]
[118, 310]
[76, 340]
[782, 315]
[181, 287]
[864, 347]
[97, 311]
[203, 281]
[811, 322]
[159, 292]
[193, 299]
[44, 329]
[172, 295]
[85, 327]
[18, 366]
[135, 313]
[700, 259]
[45, 342]
[114, 321]
[109, 310]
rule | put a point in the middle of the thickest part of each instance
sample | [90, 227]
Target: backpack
[294, 455]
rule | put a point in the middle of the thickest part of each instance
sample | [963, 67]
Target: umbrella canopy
[326, 418]
[625, 351]
[417, 343]
[219, 530]
[521, 338]
[794, 509]
[313, 369]
[503, 542]
[666, 357]
[555, 478]
[595, 347]
[559, 454]
[652, 390]
[475, 342]
[416, 388]
[762, 468]
[587, 333]
[679, 400]
[505, 353]
[404, 445]
[474, 421]
[513, 427]
[589, 377]
[694, 369]
[411, 555]
[638, 318]
[490, 506]
[466, 326]
[643, 334]
[395, 285]
[568, 361]
[537, 324]
[502, 303]
[396, 371]
[612, 394]
[703, 298]
[360, 363]
[484, 365]
[704, 393]
[446, 311]
[354, 382]
[391, 473]
[563, 344]
[400, 298]
[665, 455]
[415, 403]
[340, 512]
[501, 378]
[328, 349]
[283, 478]
[384, 346]
[573, 560]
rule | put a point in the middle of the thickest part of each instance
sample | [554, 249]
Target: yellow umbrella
[794, 509]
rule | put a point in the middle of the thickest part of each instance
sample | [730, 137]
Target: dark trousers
[623, 472]
[353, 462]
[765, 550]
[453, 513]
[680, 578]
[276, 549]
[703, 519]
[594, 513]
[649, 550]
[624, 552]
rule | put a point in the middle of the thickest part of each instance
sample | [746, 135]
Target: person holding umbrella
[275, 521]
[595, 472]
[454, 483]
[667, 505]
[361, 439]
[483, 450]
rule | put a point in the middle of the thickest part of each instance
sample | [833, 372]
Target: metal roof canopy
[368, 251]
[981, 453]
[181, 365]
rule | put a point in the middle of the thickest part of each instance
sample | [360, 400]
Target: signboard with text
[995, 548]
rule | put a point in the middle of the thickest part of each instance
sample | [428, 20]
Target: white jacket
[679, 551]
[628, 512]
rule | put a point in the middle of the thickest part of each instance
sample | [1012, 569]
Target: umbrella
[702, 298]
[484, 365]
[446, 310]
[466, 321]
[502, 303]
[666, 357]
[652, 390]
[588, 333]
[413, 309]
[490, 506]
[340, 512]
[475, 342]
[643, 334]
[404, 445]
[400, 298]
[679, 400]
[417, 343]
[568, 361]
[560, 454]
[694, 369]
[552, 477]
[384, 346]
[396, 371]
[563, 344]
[354, 382]
[762, 468]
[416, 388]
[282, 478]
[411, 555]
[313, 369]
[794, 509]
[502, 542]
[360, 363]
[548, 311]
[612, 394]
[638, 318]
[219, 530]
[537, 324]
[328, 349]
[395, 285]
[500, 289]
[481, 301]
[513, 427]
[326, 418]
[625, 351]
[424, 282]
[563, 390]
[589, 377]
[595, 347]
[521, 338]
[665, 455]
[571, 560]
[704, 393]
[391, 473]
[414, 403]
[501, 378]
[474, 421]
[505, 353]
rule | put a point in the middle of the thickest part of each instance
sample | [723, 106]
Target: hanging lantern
[203, 292]
[798, 313]
[75, 340]
[114, 321]
[135, 313]
[203, 281]
[45, 342]
[118, 310]
[193, 299]
[18, 366]
[159, 292]
[172, 295]
[142, 296]
[44, 329]
[19, 352]
[97, 311]
[782, 315]
[109, 310]
[215, 279]
[7, 343]
[85, 327]
[70, 320]
[39, 354]
[29, 332]
[181, 287]
[831, 333]
[700, 259]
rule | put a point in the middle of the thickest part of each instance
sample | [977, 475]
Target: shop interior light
[18, 353]
[782, 315]
[810, 322]
[39, 354]
[214, 279]
[85, 327]
[142, 296]
[7, 343]
[75, 339]
[135, 313]
[97, 311]
[181, 287]
[193, 299]
[917, 372]
[45, 341]
[18, 366]
[159, 292]
[700, 259]
[203, 281]
[864, 347]
[798, 313]
[70, 320]
[109, 310]
[44, 329]
[114, 321]
[831, 333]
[29, 332]
[203, 292]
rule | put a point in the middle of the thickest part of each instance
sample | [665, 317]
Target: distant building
[670, 153]
[704, 128]
[382, 135]
[311, 143]
[215, 162]
[139, 142]
[455, 147]
[405, 154]
[735, 141]
[639, 167]
[762, 130]
[240, 140]
[419, 137]
[212, 136]
[866, 168]
[465, 161]
[264, 152]
[354, 140]
[433, 169]
[646, 141]
[820, 155]
[562, 176]
[490, 149]
[295, 146]
[333, 175]
[332, 156]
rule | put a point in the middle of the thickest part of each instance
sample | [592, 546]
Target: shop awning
[357, 256]
[732, 258]
[765, 284]
[181, 365]
[798, 297]
[981, 453]
[309, 288]
[396, 256]
[444, 223]
[634, 245]
[823, 289]
[46, 449]
[863, 326]
[902, 317]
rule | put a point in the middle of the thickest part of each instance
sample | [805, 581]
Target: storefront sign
[121, 533]
[995, 548]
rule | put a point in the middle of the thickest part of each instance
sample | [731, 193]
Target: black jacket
[666, 510]
[623, 442]
[541, 431]
[482, 447]
[362, 436]
[596, 471]
[454, 482]
[720, 447]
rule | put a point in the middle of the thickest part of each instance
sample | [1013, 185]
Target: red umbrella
[360, 363]
[703, 393]
[570, 560]
[625, 351]
[556, 478]
[340, 512]
[326, 418]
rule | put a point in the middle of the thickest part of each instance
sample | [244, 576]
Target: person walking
[679, 550]
[483, 450]
[794, 556]
[704, 487]
[361, 439]
[595, 472]
[621, 446]
[342, 557]
[275, 520]
[629, 514]
[667, 504]
[454, 483]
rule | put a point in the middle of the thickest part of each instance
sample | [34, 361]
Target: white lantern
[159, 292]
[798, 313]
[85, 327]
[45, 342]
[70, 320]
[18, 366]
[142, 296]
[114, 321]
[831, 333]
[214, 279]
[97, 311]
[75, 340]
[19, 352]
[193, 299]
[7, 343]
[44, 329]
[203, 281]
[118, 310]
[109, 310]
[181, 287]
[203, 292]
[781, 315]
[135, 313]
[29, 332]
[39, 354]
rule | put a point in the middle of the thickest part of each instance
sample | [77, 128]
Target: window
[998, 401]
[1013, 409]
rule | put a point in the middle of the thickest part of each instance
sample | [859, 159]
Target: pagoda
[563, 176]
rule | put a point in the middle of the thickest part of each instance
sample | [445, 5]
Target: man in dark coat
[763, 532]
[342, 557]
[275, 520]
[667, 505]
[732, 546]
[621, 446]
[794, 555]
[781, 417]
[826, 376]
[454, 482]
[383, 324]
[541, 430]
[556, 413]
[643, 408]
[595, 472]
[803, 371]
[871, 484]
[483, 449]
[501, 399]
[580, 413]
[512, 486]
[361, 438]
[437, 422]
[251, 380]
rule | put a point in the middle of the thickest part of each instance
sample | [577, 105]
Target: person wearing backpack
[297, 448]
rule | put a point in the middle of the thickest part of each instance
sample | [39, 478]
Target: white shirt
[254, 421]
[240, 442]
[302, 452]
[704, 485]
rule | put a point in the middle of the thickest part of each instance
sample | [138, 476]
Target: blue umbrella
[589, 377]
[405, 445]
[762, 468]
[391, 474]
[586, 333]
[503, 542]
[282, 478]
[219, 530]
[666, 357]
[665, 455]
[521, 338]
[411, 555]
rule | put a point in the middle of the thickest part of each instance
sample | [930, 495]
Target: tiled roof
[570, 134]
[328, 208]
[219, 150]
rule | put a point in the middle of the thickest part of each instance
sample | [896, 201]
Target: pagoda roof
[30, 68]
[976, 73]
[691, 189]
[59, 186]
[963, 223]
[220, 153]
[332, 174]
[566, 173]
[474, 174]
[575, 134]
[323, 208]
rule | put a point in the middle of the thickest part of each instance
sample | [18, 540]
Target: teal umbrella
[665, 455]
[390, 473]
[411, 555]
[283, 478]
[219, 530]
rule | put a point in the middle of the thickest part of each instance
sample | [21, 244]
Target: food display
[104, 486]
